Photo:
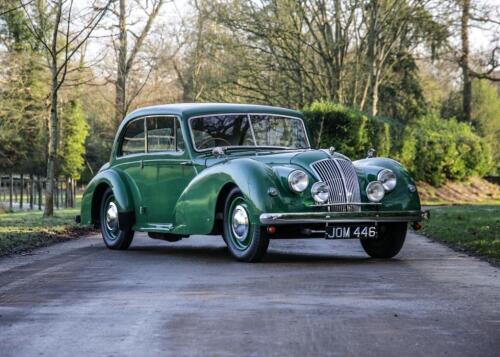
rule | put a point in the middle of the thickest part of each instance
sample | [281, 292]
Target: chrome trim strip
[344, 181]
[352, 181]
[347, 204]
[341, 217]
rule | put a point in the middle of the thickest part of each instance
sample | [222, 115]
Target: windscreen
[221, 130]
[244, 130]
[271, 130]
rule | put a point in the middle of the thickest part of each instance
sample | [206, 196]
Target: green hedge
[432, 148]
[349, 131]
[436, 149]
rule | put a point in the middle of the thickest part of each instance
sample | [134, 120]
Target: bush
[433, 149]
[350, 131]
[436, 149]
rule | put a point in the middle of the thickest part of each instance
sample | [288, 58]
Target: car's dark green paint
[118, 182]
[182, 192]
[400, 199]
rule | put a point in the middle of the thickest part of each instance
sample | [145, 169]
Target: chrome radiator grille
[340, 175]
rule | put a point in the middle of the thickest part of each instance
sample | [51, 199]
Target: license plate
[350, 231]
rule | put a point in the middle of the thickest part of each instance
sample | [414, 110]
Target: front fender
[95, 189]
[195, 210]
[399, 199]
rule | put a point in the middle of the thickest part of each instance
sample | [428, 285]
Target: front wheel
[113, 236]
[246, 241]
[390, 241]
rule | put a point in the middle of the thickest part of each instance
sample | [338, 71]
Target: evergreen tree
[74, 131]
[22, 97]
[486, 117]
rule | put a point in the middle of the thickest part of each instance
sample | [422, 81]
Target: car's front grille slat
[341, 176]
[351, 180]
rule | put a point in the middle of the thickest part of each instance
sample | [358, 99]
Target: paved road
[308, 298]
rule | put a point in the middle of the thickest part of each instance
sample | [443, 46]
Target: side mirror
[218, 151]
[371, 153]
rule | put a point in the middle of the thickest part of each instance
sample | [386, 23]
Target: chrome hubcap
[240, 223]
[112, 217]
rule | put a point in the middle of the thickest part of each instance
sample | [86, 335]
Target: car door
[130, 158]
[168, 169]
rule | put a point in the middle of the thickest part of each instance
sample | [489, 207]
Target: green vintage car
[248, 173]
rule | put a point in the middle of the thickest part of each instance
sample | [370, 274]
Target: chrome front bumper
[342, 217]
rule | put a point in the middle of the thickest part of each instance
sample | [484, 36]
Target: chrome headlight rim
[298, 181]
[375, 191]
[320, 192]
[388, 179]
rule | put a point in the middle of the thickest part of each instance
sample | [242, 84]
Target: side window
[134, 140]
[164, 134]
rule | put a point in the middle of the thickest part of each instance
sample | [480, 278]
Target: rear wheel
[391, 239]
[113, 236]
[246, 241]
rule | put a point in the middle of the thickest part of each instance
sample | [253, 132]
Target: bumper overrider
[342, 217]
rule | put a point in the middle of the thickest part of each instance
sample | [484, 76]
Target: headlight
[388, 179]
[375, 191]
[320, 192]
[298, 180]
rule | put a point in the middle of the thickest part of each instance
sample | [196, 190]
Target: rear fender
[91, 200]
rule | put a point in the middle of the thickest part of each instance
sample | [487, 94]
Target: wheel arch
[204, 197]
[219, 207]
[92, 197]
[97, 198]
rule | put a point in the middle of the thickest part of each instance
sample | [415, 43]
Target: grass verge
[23, 231]
[474, 229]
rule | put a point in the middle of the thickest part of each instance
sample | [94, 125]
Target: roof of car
[187, 110]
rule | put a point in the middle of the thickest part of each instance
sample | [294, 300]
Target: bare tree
[464, 61]
[53, 25]
[126, 56]
[471, 16]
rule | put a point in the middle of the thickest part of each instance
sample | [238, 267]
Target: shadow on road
[222, 255]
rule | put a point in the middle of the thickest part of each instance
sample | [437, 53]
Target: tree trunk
[21, 198]
[32, 188]
[370, 60]
[74, 186]
[16, 199]
[53, 140]
[58, 194]
[67, 193]
[39, 191]
[365, 94]
[375, 88]
[121, 74]
[11, 192]
[464, 63]
[71, 189]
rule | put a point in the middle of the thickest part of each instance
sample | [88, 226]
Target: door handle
[187, 163]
